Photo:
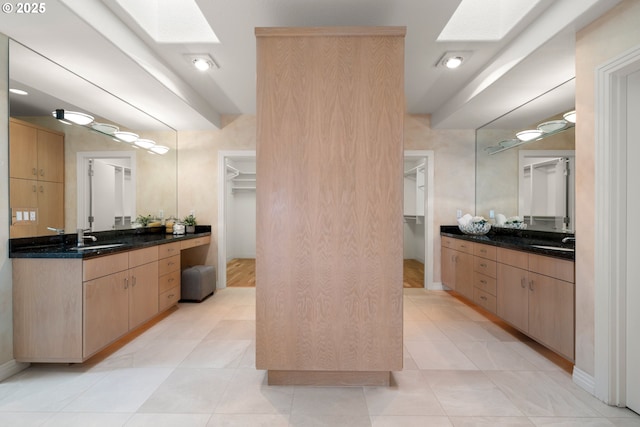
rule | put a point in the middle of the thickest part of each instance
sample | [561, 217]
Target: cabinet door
[23, 198]
[50, 206]
[143, 295]
[513, 296]
[50, 156]
[23, 151]
[448, 266]
[464, 274]
[106, 311]
[551, 313]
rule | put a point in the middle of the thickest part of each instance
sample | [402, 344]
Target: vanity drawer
[484, 300]
[484, 283]
[167, 265]
[484, 251]
[168, 281]
[168, 250]
[105, 265]
[463, 246]
[168, 298]
[484, 266]
[517, 259]
[143, 256]
[199, 241]
[552, 267]
[447, 242]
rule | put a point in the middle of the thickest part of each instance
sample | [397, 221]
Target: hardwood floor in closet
[241, 272]
[413, 275]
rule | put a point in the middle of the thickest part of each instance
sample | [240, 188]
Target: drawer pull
[523, 282]
[484, 251]
[483, 298]
[463, 246]
[171, 263]
[171, 280]
[169, 296]
[126, 283]
[483, 265]
[484, 282]
[531, 285]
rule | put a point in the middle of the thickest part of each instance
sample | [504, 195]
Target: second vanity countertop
[521, 240]
[63, 246]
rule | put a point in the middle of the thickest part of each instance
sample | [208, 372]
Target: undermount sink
[554, 248]
[91, 247]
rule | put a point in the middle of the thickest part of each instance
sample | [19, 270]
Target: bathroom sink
[91, 247]
[554, 248]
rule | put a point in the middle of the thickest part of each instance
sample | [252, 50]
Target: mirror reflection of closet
[414, 221]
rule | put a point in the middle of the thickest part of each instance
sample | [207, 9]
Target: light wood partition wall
[329, 204]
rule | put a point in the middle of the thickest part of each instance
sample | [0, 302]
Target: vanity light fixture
[18, 91]
[126, 136]
[159, 149]
[570, 116]
[73, 116]
[528, 135]
[145, 143]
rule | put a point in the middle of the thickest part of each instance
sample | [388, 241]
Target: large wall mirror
[126, 180]
[533, 180]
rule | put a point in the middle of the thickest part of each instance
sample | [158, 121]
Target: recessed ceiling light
[201, 61]
[18, 91]
[453, 60]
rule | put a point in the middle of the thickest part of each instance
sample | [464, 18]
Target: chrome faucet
[569, 239]
[59, 231]
[81, 237]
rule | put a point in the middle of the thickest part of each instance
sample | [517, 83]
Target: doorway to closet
[237, 219]
[417, 219]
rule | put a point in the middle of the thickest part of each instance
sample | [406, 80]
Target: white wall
[414, 241]
[241, 216]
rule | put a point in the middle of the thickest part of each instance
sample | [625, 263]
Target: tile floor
[195, 367]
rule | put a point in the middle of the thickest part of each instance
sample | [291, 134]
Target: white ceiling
[103, 45]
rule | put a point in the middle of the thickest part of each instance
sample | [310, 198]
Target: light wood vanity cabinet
[66, 310]
[36, 159]
[169, 275]
[532, 292]
[457, 262]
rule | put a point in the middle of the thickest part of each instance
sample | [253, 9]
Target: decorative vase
[190, 228]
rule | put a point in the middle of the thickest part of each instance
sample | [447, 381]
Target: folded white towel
[465, 220]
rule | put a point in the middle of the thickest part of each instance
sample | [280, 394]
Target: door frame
[428, 155]
[222, 222]
[609, 383]
[81, 181]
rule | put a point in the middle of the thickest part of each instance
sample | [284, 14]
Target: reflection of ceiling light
[19, 91]
[145, 143]
[528, 135]
[570, 116]
[126, 136]
[159, 149]
[73, 116]
[452, 60]
[552, 126]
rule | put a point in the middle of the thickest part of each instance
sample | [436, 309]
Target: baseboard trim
[584, 381]
[10, 368]
[436, 286]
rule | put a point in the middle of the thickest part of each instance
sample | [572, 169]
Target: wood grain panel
[101, 266]
[329, 202]
[23, 150]
[47, 310]
[168, 281]
[167, 265]
[169, 249]
[485, 251]
[463, 246]
[514, 258]
[50, 156]
[553, 267]
[143, 256]
[484, 266]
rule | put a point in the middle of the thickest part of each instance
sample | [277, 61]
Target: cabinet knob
[126, 283]
[133, 281]
[531, 285]
[523, 282]
[484, 282]
[483, 265]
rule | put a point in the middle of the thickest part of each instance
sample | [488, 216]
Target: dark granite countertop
[521, 240]
[61, 246]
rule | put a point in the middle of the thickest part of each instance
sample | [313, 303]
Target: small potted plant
[143, 220]
[190, 223]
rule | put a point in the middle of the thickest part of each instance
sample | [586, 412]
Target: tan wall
[604, 39]
[454, 152]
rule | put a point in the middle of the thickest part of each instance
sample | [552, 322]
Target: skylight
[171, 21]
[486, 20]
